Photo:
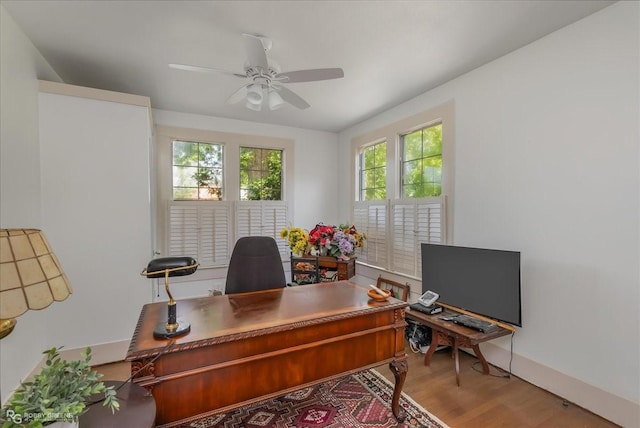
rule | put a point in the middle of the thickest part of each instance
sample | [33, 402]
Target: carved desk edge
[399, 309]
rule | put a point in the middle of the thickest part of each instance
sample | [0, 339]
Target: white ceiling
[390, 51]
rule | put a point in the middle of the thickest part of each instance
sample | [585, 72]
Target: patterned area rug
[359, 400]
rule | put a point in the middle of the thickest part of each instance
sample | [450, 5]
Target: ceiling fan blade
[310, 75]
[255, 51]
[291, 97]
[204, 69]
[238, 95]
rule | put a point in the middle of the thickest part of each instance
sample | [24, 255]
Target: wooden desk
[248, 347]
[456, 336]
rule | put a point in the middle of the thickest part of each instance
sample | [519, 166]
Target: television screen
[482, 281]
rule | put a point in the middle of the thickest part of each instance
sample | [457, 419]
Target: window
[373, 172]
[214, 188]
[197, 171]
[260, 174]
[422, 162]
[403, 183]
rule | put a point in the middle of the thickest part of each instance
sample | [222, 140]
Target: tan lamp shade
[30, 274]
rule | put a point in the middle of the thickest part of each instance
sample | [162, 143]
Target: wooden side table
[346, 268]
[454, 335]
[137, 409]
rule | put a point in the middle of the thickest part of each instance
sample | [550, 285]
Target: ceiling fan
[265, 78]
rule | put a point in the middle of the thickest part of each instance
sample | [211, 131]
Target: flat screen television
[479, 280]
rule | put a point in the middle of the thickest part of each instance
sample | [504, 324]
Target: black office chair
[255, 265]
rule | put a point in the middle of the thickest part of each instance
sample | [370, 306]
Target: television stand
[454, 335]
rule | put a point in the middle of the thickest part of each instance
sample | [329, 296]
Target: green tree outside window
[373, 172]
[260, 174]
[422, 163]
[197, 171]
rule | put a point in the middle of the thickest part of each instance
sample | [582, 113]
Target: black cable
[513, 333]
[162, 352]
[505, 374]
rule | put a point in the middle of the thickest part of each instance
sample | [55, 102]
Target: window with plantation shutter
[262, 218]
[370, 217]
[414, 221]
[201, 231]
[403, 186]
[215, 187]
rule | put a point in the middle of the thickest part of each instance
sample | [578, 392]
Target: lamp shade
[30, 274]
[275, 100]
[254, 107]
[254, 94]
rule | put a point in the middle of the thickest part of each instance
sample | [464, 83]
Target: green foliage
[197, 165]
[59, 392]
[260, 174]
[374, 172]
[422, 163]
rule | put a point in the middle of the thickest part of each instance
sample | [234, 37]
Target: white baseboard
[616, 409]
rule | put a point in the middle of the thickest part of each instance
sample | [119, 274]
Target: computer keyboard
[475, 323]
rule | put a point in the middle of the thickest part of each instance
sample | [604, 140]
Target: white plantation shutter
[262, 218]
[414, 221]
[200, 230]
[370, 217]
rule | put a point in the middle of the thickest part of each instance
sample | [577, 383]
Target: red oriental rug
[359, 400]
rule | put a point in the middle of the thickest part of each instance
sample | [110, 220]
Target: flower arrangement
[297, 238]
[335, 241]
[340, 241]
[321, 236]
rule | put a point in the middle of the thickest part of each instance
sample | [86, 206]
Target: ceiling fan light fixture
[275, 100]
[254, 94]
[254, 107]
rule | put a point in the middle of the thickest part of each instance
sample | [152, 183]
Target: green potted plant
[58, 394]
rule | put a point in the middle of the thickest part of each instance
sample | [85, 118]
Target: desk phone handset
[428, 298]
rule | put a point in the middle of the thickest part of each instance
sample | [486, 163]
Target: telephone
[428, 298]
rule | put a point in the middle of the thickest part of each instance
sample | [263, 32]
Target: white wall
[96, 209]
[547, 161]
[21, 65]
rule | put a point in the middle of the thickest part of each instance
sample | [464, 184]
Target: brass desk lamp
[166, 267]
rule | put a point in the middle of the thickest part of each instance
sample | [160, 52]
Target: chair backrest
[400, 291]
[255, 265]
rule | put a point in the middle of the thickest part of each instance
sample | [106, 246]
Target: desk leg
[399, 369]
[485, 366]
[457, 360]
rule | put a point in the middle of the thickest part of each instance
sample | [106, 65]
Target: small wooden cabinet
[306, 269]
[346, 268]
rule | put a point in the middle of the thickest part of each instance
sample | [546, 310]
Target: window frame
[361, 169]
[263, 149]
[231, 142]
[392, 133]
[198, 167]
[403, 160]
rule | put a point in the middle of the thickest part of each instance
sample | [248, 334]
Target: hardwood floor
[480, 401]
